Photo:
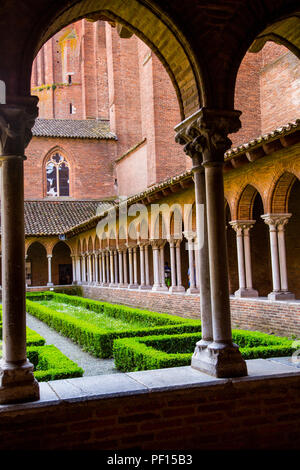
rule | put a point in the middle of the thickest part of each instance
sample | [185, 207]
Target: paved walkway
[90, 364]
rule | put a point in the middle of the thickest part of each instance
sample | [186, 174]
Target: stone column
[121, 277]
[130, 263]
[112, 275]
[107, 267]
[83, 266]
[96, 265]
[242, 228]
[147, 274]
[135, 269]
[100, 269]
[179, 287]
[173, 266]
[49, 283]
[17, 382]
[74, 273]
[207, 132]
[116, 268]
[89, 268]
[155, 251]
[276, 224]
[104, 271]
[192, 265]
[142, 266]
[125, 267]
[78, 269]
[163, 286]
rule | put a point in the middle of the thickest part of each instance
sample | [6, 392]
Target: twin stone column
[276, 223]
[17, 382]
[205, 138]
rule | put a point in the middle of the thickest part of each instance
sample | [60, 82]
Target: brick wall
[282, 318]
[91, 166]
[251, 414]
[279, 93]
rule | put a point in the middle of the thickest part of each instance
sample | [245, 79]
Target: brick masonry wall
[255, 414]
[280, 96]
[83, 155]
[281, 318]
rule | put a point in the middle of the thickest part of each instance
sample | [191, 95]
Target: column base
[219, 360]
[176, 289]
[112, 284]
[243, 292]
[17, 383]
[104, 284]
[50, 284]
[160, 288]
[280, 295]
[193, 290]
[145, 287]
[122, 285]
[133, 286]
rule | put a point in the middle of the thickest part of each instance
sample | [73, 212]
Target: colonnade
[276, 224]
[129, 266]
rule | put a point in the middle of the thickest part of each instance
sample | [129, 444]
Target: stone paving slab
[107, 386]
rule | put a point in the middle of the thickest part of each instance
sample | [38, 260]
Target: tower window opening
[57, 174]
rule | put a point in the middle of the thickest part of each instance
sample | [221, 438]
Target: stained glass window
[57, 174]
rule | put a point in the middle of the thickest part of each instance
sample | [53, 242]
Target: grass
[94, 325]
[94, 318]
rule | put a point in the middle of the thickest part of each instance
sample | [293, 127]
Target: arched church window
[57, 174]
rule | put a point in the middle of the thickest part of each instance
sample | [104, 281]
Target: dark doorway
[65, 274]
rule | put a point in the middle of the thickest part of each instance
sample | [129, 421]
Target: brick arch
[280, 193]
[153, 27]
[244, 209]
[90, 245]
[176, 221]
[84, 245]
[32, 242]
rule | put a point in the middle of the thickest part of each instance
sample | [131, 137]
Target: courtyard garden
[137, 339]
[49, 363]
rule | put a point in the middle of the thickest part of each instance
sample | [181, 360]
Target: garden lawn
[95, 325]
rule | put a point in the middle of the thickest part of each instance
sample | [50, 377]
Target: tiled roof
[265, 138]
[73, 128]
[57, 217]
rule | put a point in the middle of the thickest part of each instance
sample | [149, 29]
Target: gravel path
[90, 364]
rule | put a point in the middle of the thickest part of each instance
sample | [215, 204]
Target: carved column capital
[241, 225]
[278, 221]
[16, 122]
[205, 134]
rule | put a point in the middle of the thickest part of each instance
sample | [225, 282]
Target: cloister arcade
[201, 46]
[126, 256]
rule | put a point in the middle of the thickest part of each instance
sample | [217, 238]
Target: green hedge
[51, 364]
[32, 337]
[99, 341]
[158, 352]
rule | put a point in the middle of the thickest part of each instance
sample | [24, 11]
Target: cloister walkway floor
[90, 364]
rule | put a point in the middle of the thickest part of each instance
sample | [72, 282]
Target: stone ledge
[136, 383]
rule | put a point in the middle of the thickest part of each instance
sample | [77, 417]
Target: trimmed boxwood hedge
[32, 337]
[99, 341]
[51, 364]
[158, 352]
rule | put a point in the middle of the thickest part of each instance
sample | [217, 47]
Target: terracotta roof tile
[56, 217]
[73, 128]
